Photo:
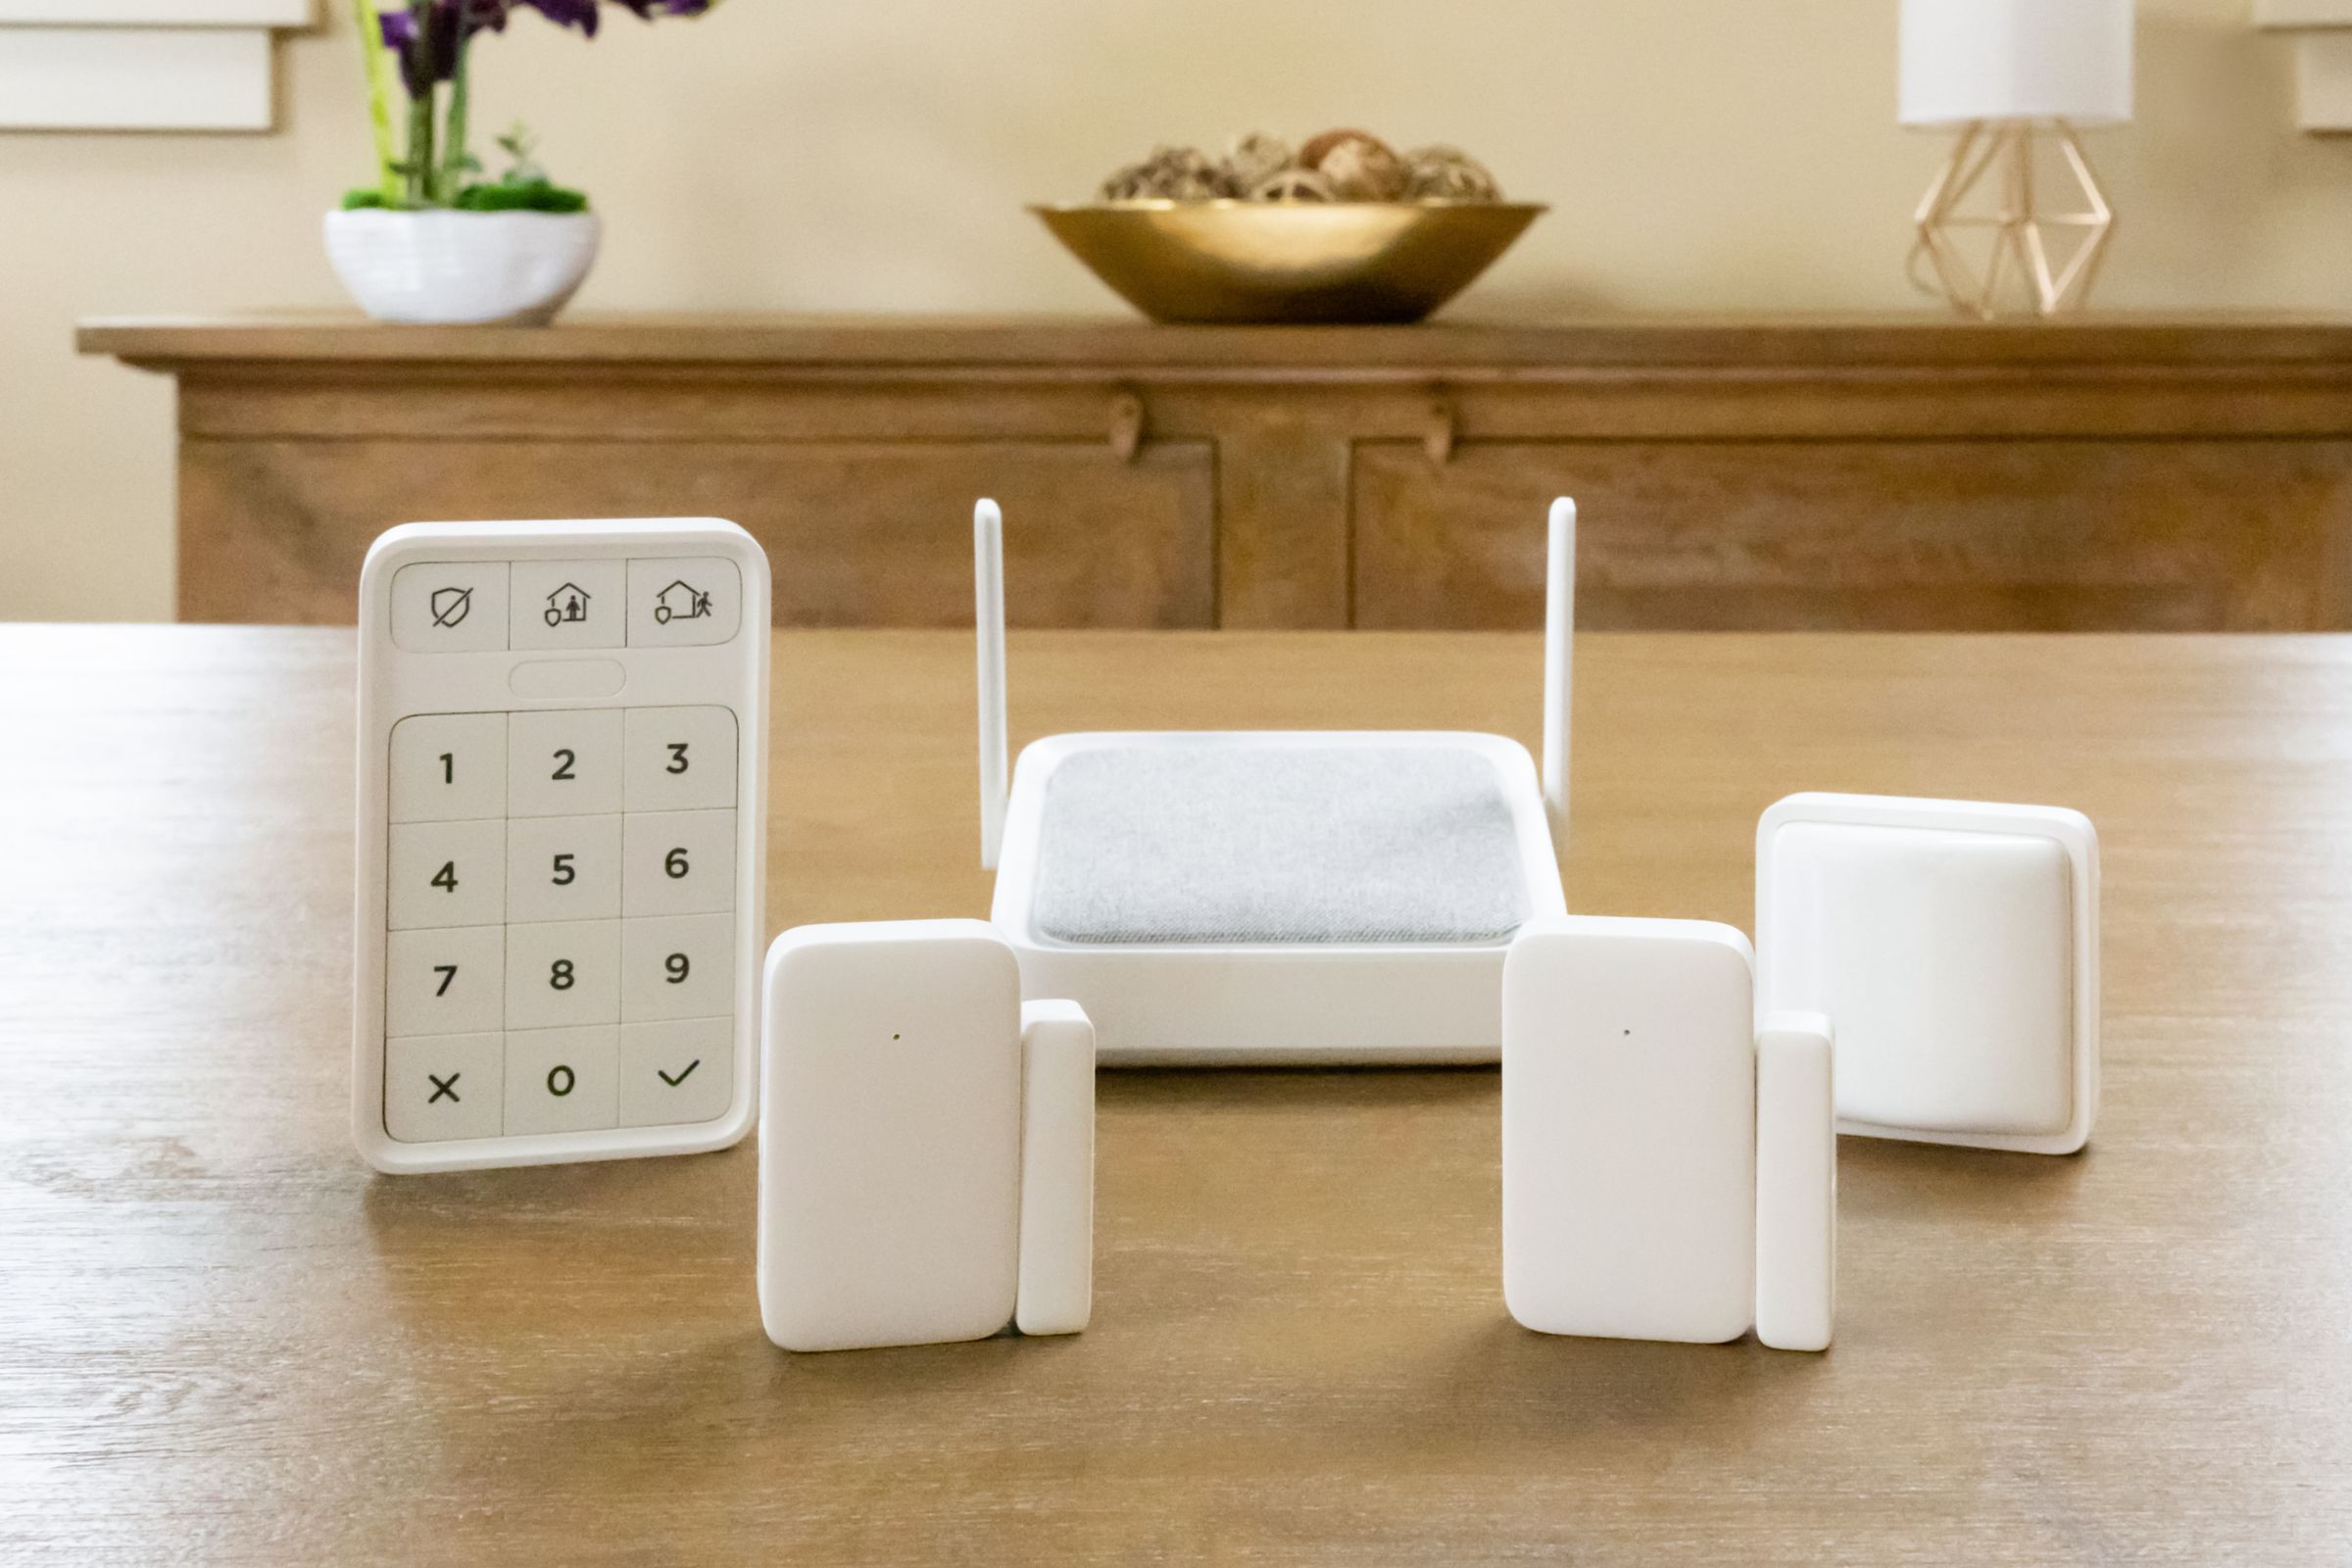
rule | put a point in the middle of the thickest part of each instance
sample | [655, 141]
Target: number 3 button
[680, 758]
[677, 863]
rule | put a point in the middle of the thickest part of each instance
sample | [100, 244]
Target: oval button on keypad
[576, 679]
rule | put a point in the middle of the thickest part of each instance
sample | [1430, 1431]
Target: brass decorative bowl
[1233, 261]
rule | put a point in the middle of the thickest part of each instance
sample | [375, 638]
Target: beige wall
[795, 155]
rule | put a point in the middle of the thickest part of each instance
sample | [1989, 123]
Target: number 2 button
[564, 763]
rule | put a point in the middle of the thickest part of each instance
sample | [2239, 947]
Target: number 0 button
[677, 863]
[563, 1080]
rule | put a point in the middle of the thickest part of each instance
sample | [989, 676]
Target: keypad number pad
[559, 911]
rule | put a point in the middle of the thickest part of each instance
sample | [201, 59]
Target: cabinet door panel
[1947, 536]
[868, 534]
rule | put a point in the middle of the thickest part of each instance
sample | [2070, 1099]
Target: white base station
[1231, 898]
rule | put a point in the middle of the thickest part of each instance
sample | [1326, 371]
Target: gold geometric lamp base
[1997, 231]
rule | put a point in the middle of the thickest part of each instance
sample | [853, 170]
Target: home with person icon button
[566, 605]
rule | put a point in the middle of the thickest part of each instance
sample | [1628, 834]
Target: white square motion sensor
[1230, 896]
[926, 1142]
[1955, 945]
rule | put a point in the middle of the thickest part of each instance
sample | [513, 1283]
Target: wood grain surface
[2113, 474]
[221, 1338]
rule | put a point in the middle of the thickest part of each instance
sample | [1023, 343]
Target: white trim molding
[2321, 30]
[141, 65]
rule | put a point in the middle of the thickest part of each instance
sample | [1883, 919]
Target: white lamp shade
[1965, 60]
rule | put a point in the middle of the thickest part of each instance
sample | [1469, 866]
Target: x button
[444, 1088]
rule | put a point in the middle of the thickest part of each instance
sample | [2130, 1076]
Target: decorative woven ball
[1252, 160]
[1360, 167]
[1292, 185]
[1170, 173]
[1447, 174]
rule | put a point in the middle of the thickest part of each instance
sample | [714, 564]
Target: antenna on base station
[1559, 638]
[988, 622]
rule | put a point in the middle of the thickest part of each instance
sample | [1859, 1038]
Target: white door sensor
[1955, 945]
[1228, 896]
[926, 1149]
[1629, 1129]
[1796, 1183]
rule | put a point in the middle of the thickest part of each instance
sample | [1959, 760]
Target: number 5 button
[677, 863]
[679, 758]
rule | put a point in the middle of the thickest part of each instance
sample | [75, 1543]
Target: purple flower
[426, 39]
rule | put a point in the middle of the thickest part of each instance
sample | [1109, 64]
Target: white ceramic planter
[451, 267]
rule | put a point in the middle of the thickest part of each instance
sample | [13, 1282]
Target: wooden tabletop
[1464, 346]
[221, 1338]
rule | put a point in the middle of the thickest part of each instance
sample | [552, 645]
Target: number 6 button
[677, 863]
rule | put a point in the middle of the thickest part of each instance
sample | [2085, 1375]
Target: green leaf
[521, 196]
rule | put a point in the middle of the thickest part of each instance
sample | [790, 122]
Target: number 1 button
[449, 767]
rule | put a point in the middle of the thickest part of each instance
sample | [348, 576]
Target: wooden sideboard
[2101, 473]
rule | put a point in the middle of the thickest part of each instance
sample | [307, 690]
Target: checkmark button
[675, 1070]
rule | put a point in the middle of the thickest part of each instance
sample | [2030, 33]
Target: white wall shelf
[2321, 30]
[141, 65]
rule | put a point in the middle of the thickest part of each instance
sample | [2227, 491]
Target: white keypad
[568, 603]
[445, 981]
[452, 606]
[446, 873]
[677, 967]
[676, 1071]
[563, 762]
[565, 729]
[677, 863]
[678, 759]
[563, 868]
[449, 767]
[443, 1085]
[683, 601]
[563, 1080]
[562, 974]
[559, 954]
